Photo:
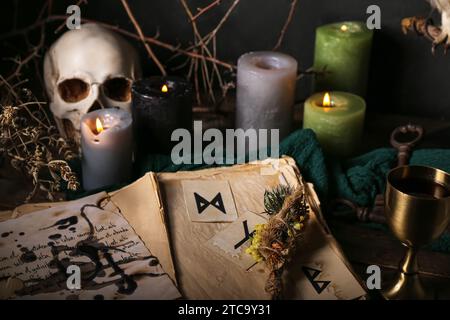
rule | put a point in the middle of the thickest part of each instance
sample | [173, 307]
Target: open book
[167, 236]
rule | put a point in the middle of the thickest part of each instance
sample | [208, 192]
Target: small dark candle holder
[160, 106]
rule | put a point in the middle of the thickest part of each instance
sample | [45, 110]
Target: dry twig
[142, 37]
[31, 143]
[286, 24]
[206, 9]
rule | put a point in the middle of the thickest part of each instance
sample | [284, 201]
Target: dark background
[405, 78]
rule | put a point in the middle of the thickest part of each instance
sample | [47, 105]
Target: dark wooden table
[362, 245]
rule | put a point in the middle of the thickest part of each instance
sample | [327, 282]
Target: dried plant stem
[286, 24]
[207, 78]
[196, 84]
[150, 40]
[213, 33]
[30, 142]
[34, 53]
[203, 10]
[201, 43]
[142, 37]
[10, 87]
[197, 37]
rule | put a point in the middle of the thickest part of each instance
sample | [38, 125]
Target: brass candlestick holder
[417, 208]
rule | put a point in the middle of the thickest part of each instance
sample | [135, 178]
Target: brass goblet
[417, 208]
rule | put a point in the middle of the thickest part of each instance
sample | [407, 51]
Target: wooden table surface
[362, 245]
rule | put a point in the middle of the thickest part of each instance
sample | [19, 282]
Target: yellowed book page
[140, 204]
[5, 215]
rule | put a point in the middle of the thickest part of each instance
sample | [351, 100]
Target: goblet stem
[408, 284]
[409, 262]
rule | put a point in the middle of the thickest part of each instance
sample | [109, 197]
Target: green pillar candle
[338, 122]
[343, 49]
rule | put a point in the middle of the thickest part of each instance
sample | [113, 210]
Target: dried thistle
[274, 199]
[274, 242]
[31, 143]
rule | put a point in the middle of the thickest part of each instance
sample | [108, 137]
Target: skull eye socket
[118, 89]
[73, 90]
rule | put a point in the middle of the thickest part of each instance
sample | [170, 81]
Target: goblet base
[407, 287]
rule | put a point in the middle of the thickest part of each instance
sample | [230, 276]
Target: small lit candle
[107, 147]
[337, 118]
[343, 52]
[160, 105]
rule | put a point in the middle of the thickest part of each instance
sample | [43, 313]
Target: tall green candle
[337, 118]
[343, 51]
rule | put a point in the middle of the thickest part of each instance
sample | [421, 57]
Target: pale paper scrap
[315, 252]
[37, 248]
[234, 239]
[209, 201]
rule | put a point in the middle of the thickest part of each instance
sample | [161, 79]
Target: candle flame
[165, 88]
[344, 28]
[326, 100]
[99, 125]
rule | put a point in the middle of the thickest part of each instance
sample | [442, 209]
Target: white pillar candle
[107, 147]
[266, 84]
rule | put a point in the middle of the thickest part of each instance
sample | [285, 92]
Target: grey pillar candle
[107, 147]
[160, 105]
[266, 84]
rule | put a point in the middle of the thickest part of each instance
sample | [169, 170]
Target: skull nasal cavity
[73, 90]
[118, 89]
[95, 106]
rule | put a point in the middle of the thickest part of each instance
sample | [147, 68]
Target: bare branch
[206, 9]
[286, 24]
[142, 37]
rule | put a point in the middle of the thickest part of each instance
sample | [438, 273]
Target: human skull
[87, 69]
